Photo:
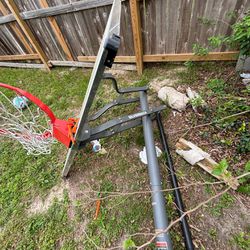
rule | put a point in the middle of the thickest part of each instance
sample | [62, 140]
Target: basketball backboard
[105, 57]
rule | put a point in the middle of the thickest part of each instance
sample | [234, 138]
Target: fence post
[137, 36]
[16, 29]
[58, 32]
[13, 8]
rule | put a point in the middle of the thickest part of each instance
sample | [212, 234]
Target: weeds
[206, 21]
[199, 50]
[128, 244]
[244, 143]
[245, 185]
[225, 201]
[197, 102]
[227, 108]
[188, 77]
[220, 168]
[242, 240]
[216, 85]
[189, 64]
[213, 233]
[215, 41]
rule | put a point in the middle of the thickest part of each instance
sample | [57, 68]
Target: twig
[154, 235]
[117, 194]
[190, 211]
[210, 123]
[181, 217]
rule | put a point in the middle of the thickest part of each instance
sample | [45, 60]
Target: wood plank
[57, 32]
[184, 148]
[87, 33]
[137, 35]
[13, 8]
[9, 42]
[57, 10]
[212, 56]
[43, 32]
[126, 34]
[185, 11]
[77, 43]
[72, 64]
[22, 65]
[16, 29]
[118, 59]
[128, 67]
[19, 57]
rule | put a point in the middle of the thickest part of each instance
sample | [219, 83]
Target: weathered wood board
[168, 26]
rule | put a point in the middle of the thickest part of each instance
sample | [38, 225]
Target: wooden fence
[68, 32]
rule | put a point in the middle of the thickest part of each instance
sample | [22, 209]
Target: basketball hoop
[34, 126]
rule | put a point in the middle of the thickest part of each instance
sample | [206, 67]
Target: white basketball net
[30, 127]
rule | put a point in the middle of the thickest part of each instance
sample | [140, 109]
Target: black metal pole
[177, 194]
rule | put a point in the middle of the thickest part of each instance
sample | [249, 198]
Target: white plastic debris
[195, 155]
[173, 98]
[192, 156]
[245, 75]
[20, 102]
[143, 154]
[191, 93]
[96, 146]
[246, 81]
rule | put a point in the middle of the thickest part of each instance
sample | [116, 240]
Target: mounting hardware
[112, 45]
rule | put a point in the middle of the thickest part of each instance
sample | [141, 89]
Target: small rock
[191, 93]
[62, 73]
[157, 84]
[72, 68]
[246, 81]
[173, 98]
[117, 72]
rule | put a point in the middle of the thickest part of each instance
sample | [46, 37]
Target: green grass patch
[242, 240]
[224, 202]
[24, 177]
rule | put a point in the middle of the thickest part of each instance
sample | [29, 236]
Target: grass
[242, 240]
[24, 177]
[224, 202]
[212, 233]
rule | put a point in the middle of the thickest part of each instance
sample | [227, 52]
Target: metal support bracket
[117, 125]
[124, 119]
[108, 76]
[116, 102]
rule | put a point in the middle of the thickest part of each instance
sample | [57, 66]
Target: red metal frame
[60, 127]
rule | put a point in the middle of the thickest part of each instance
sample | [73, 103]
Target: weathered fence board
[167, 26]
[22, 65]
[29, 34]
[173, 26]
[57, 10]
[19, 57]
